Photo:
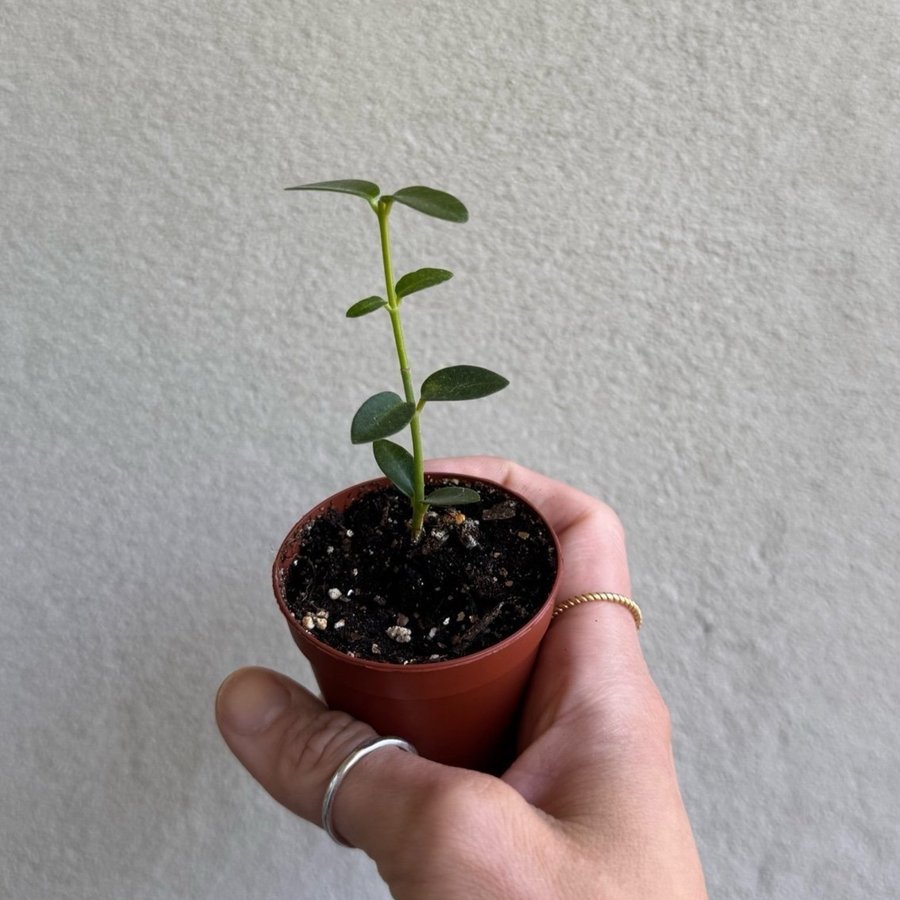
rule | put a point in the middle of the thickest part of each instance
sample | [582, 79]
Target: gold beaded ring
[627, 602]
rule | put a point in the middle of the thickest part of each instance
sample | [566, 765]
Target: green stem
[419, 506]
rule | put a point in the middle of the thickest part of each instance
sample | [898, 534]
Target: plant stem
[419, 506]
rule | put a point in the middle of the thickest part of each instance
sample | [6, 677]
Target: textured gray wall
[682, 251]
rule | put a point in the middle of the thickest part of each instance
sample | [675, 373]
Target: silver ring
[363, 750]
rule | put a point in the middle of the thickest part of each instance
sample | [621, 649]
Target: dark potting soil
[478, 573]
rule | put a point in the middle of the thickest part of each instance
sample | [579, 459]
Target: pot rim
[374, 484]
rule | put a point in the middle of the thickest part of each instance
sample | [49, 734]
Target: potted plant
[419, 599]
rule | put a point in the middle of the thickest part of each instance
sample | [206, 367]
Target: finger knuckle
[319, 743]
[611, 522]
[635, 716]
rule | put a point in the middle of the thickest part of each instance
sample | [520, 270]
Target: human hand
[590, 807]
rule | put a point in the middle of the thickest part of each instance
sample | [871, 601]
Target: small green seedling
[387, 413]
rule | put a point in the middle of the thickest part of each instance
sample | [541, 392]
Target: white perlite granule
[399, 634]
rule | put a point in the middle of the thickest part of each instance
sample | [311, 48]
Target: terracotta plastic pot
[460, 711]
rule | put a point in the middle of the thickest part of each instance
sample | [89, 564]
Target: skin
[589, 809]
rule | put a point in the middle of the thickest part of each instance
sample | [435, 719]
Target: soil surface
[478, 573]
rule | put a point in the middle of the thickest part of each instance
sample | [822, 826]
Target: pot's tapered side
[459, 711]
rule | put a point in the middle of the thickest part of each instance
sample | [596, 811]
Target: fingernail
[249, 701]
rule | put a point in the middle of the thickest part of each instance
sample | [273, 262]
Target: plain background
[683, 252]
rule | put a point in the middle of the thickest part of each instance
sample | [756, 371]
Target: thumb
[292, 744]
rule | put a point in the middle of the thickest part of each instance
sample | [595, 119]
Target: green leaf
[452, 496]
[397, 463]
[421, 279]
[431, 202]
[347, 186]
[364, 307]
[462, 383]
[381, 415]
